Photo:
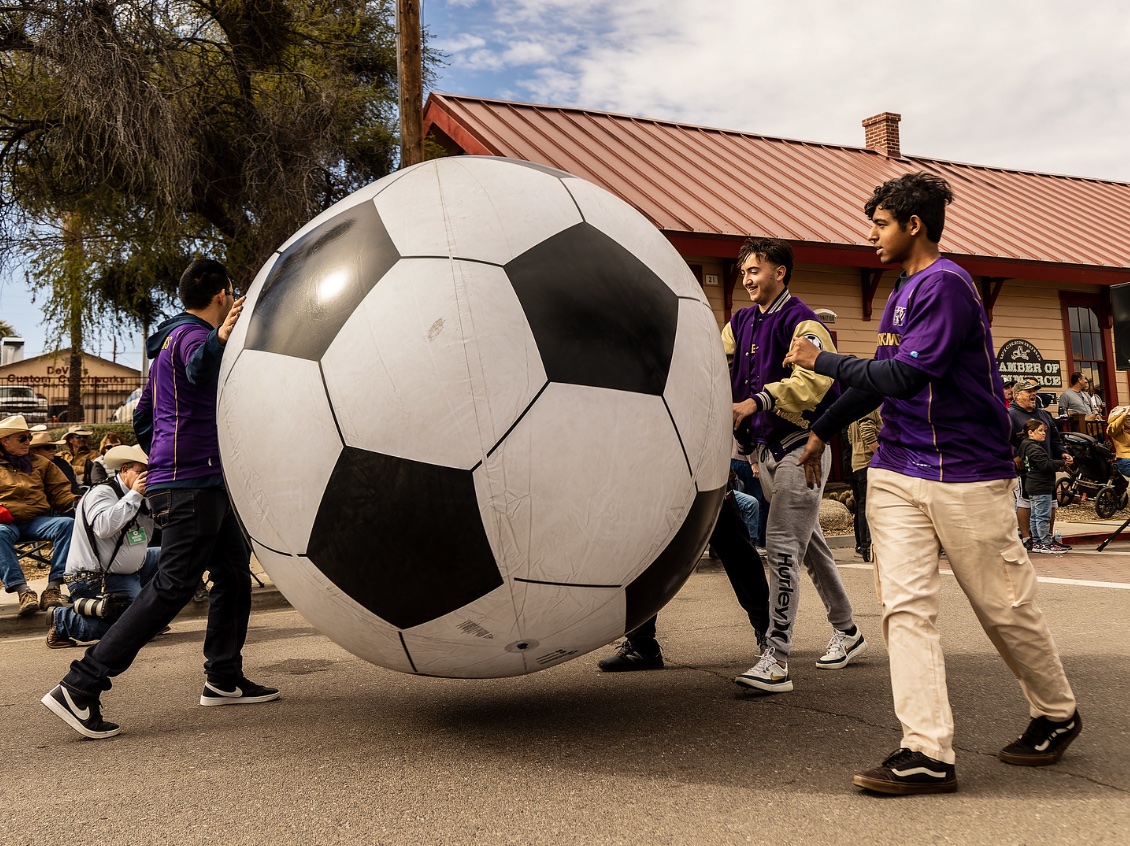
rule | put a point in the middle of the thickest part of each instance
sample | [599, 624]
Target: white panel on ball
[698, 394]
[631, 230]
[283, 463]
[354, 628]
[596, 511]
[435, 364]
[475, 208]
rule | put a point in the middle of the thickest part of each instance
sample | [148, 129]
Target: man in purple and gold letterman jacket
[775, 406]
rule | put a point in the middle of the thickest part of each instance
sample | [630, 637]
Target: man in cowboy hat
[110, 554]
[41, 444]
[79, 452]
[30, 487]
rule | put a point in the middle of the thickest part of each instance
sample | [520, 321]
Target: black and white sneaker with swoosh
[82, 713]
[244, 692]
[1043, 742]
[906, 772]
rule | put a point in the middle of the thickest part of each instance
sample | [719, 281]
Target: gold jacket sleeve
[728, 342]
[803, 390]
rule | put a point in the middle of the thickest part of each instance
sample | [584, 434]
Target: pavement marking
[1051, 580]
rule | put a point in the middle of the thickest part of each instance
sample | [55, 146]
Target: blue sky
[1029, 84]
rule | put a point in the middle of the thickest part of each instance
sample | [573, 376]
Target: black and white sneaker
[629, 659]
[82, 713]
[842, 648]
[905, 772]
[244, 692]
[1043, 742]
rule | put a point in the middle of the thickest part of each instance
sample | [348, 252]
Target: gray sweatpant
[793, 534]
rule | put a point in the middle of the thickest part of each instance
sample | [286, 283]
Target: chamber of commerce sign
[1019, 359]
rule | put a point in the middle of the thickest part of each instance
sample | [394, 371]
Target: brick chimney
[883, 134]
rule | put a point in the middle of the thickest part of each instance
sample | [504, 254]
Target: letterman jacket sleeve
[802, 390]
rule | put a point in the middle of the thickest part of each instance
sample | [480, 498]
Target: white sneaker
[842, 648]
[767, 675]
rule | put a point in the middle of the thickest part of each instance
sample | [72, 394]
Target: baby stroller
[1093, 475]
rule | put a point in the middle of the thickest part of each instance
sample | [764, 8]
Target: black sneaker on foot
[905, 772]
[82, 713]
[1043, 742]
[244, 692]
[628, 659]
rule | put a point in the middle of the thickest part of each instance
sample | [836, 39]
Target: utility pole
[410, 72]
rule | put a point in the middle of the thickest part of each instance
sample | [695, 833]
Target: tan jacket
[79, 462]
[31, 495]
[864, 437]
[1115, 429]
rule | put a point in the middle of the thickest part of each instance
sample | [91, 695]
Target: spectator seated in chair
[41, 444]
[32, 492]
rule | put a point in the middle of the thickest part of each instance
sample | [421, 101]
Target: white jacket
[110, 512]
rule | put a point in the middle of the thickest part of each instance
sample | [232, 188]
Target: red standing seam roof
[696, 180]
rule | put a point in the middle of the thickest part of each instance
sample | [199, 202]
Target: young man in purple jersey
[942, 477]
[175, 421]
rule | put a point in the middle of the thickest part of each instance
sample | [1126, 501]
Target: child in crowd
[1039, 484]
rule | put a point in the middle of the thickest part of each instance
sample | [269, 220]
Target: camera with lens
[108, 606]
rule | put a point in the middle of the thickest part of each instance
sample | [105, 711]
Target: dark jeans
[744, 568]
[859, 489]
[199, 532]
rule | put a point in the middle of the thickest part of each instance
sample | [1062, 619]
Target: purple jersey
[956, 429]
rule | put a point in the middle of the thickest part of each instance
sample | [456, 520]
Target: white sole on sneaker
[236, 697]
[859, 651]
[69, 718]
[782, 686]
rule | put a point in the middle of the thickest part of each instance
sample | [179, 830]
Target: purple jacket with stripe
[175, 419]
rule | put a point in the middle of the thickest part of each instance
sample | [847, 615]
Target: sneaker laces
[765, 661]
[836, 642]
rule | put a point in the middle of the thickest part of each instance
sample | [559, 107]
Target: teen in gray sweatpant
[793, 534]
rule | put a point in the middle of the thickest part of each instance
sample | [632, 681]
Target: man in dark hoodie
[175, 422]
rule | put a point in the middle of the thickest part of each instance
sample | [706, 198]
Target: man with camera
[110, 557]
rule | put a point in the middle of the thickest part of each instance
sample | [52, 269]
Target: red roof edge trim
[828, 254]
[437, 115]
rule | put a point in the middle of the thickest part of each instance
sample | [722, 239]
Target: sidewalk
[267, 596]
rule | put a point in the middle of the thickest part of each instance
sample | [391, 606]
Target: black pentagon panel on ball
[402, 538]
[599, 315]
[318, 282]
[654, 587]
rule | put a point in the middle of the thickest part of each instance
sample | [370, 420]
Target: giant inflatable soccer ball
[475, 419]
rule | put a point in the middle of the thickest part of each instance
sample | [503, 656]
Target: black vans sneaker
[1043, 742]
[82, 713]
[244, 692]
[628, 659]
[905, 772]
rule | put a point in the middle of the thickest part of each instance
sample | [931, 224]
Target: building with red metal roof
[1045, 248]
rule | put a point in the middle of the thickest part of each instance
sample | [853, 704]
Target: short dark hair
[1033, 425]
[772, 250]
[201, 281]
[921, 194]
[1076, 377]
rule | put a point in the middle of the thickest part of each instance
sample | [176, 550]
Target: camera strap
[105, 568]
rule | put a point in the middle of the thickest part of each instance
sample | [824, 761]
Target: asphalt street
[355, 753]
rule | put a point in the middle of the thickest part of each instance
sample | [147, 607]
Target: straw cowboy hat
[41, 439]
[78, 429]
[119, 455]
[13, 425]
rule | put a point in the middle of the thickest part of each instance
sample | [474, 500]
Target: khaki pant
[911, 521]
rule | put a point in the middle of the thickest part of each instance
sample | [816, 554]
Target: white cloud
[1035, 84]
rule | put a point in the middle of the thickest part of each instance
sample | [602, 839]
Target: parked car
[124, 412]
[20, 399]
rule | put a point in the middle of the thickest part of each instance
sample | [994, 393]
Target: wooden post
[410, 70]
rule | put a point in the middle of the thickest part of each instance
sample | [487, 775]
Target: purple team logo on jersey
[900, 315]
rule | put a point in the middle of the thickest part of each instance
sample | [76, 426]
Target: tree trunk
[72, 281]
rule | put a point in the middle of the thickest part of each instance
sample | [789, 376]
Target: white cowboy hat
[41, 439]
[13, 425]
[119, 455]
[78, 429]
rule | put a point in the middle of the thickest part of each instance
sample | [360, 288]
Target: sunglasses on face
[23, 439]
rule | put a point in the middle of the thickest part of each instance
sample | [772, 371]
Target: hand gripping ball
[475, 419]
